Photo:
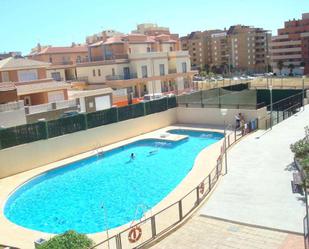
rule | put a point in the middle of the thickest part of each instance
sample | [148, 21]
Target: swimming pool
[109, 190]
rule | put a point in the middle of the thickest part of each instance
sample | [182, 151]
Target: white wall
[16, 159]
[213, 116]
[13, 118]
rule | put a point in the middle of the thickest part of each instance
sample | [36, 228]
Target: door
[102, 103]
[126, 73]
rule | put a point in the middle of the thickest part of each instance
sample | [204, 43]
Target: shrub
[68, 240]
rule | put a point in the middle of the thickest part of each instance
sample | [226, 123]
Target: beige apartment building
[290, 48]
[240, 48]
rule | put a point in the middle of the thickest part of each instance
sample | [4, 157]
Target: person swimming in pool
[132, 156]
[153, 152]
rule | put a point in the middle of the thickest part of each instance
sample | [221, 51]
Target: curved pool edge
[26, 236]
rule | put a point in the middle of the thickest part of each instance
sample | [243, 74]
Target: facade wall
[8, 96]
[97, 74]
[62, 58]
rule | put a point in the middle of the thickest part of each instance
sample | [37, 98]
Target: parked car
[149, 97]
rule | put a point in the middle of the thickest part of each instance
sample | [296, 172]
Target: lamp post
[303, 92]
[267, 67]
[223, 113]
[271, 106]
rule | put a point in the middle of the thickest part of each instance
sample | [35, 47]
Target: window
[113, 71]
[99, 72]
[56, 76]
[27, 75]
[184, 67]
[144, 72]
[129, 50]
[78, 59]
[50, 59]
[5, 77]
[171, 49]
[93, 72]
[148, 50]
[162, 69]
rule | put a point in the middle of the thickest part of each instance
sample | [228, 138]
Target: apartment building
[102, 36]
[290, 48]
[142, 64]
[25, 79]
[248, 48]
[60, 55]
[240, 48]
[9, 54]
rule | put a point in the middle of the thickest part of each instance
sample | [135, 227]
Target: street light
[303, 95]
[267, 71]
[223, 113]
[271, 106]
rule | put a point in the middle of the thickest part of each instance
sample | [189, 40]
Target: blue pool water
[73, 197]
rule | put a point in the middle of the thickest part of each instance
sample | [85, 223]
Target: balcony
[109, 57]
[172, 71]
[121, 77]
[12, 106]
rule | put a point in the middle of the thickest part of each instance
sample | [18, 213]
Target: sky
[24, 23]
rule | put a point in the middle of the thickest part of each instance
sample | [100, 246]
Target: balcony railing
[172, 71]
[121, 77]
[12, 106]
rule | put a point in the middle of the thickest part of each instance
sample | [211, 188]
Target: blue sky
[24, 23]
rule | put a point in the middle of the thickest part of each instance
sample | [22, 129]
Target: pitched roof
[63, 50]
[23, 89]
[13, 63]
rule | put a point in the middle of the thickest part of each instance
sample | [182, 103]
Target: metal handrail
[211, 181]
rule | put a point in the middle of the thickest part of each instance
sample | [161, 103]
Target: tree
[280, 65]
[207, 68]
[68, 240]
[291, 67]
[214, 69]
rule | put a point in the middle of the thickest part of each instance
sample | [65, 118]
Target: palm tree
[280, 65]
[291, 67]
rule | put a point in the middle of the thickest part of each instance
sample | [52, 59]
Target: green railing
[13, 136]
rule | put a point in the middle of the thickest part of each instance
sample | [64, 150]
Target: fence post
[153, 227]
[86, 121]
[209, 182]
[118, 241]
[198, 195]
[45, 124]
[180, 210]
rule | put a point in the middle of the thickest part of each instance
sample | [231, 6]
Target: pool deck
[253, 207]
[14, 235]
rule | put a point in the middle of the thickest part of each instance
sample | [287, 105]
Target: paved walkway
[257, 189]
[206, 233]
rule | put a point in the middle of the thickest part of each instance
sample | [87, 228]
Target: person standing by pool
[237, 118]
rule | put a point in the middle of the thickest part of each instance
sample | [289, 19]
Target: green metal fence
[13, 136]
[22, 134]
[131, 111]
[95, 119]
[62, 126]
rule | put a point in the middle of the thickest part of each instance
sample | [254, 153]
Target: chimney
[39, 47]
[73, 44]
